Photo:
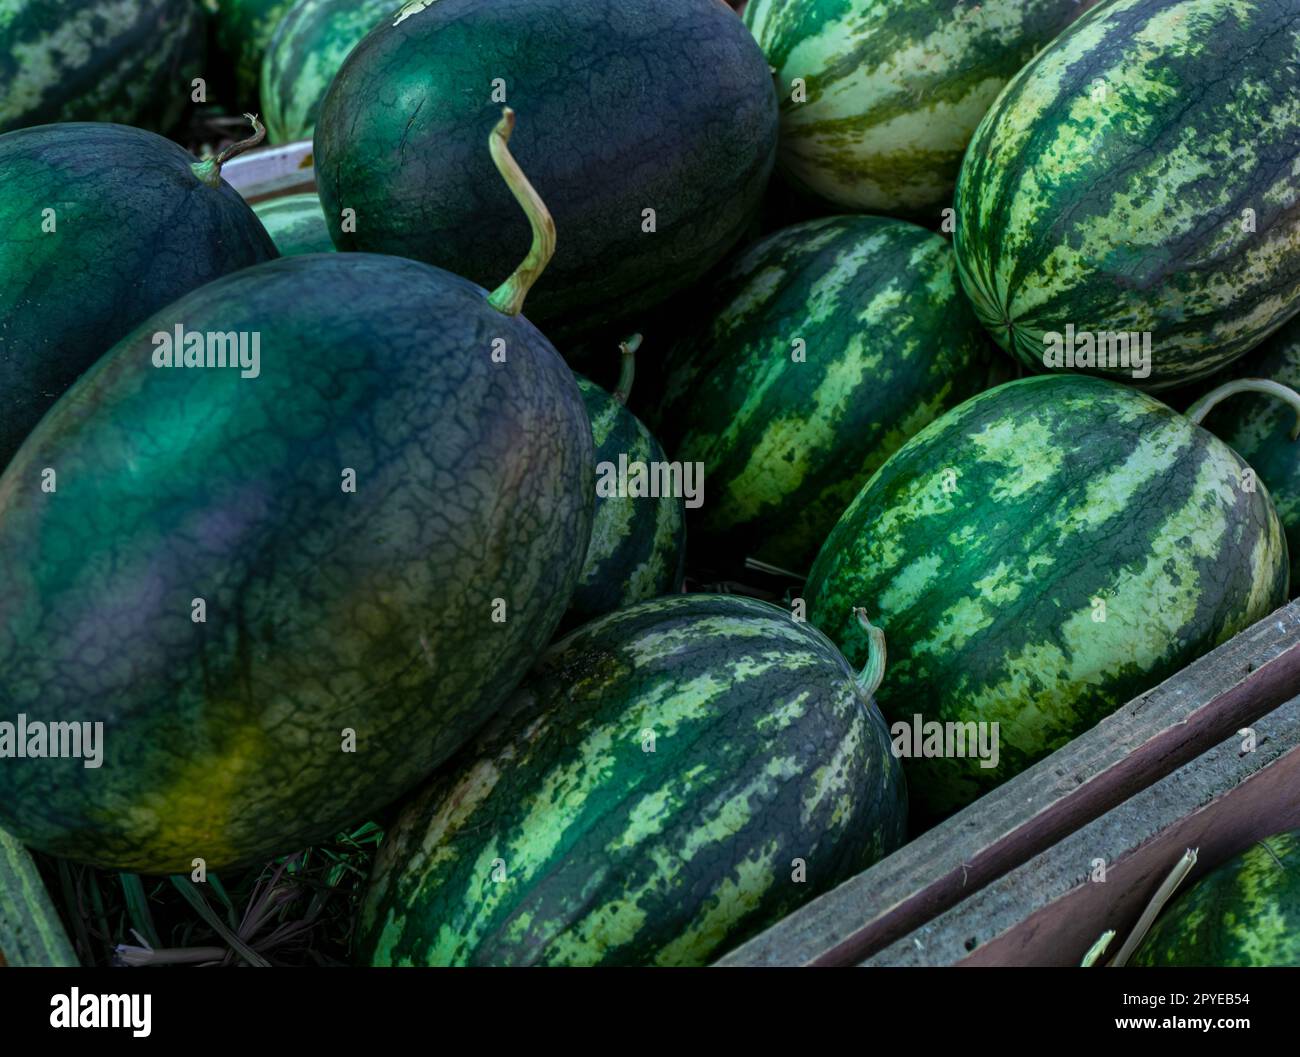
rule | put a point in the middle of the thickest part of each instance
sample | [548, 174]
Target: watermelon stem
[1206, 404]
[628, 372]
[208, 170]
[509, 296]
[873, 672]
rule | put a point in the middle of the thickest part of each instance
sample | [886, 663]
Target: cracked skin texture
[325, 610]
[108, 60]
[890, 344]
[555, 839]
[621, 108]
[1108, 186]
[135, 229]
[981, 544]
[1245, 913]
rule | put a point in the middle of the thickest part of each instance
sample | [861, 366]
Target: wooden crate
[1051, 909]
[884, 914]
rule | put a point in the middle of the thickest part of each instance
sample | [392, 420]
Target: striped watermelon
[892, 90]
[1138, 177]
[1040, 555]
[310, 43]
[296, 224]
[788, 434]
[638, 542]
[241, 32]
[30, 930]
[670, 778]
[1261, 430]
[1245, 913]
[129, 61]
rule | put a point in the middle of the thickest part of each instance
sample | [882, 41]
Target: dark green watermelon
[638, 541]
[405, 609]
[98, 60]
[1038, 557]
[670, 779]
[667, 106]
[1136, 182]
[135, 226]
[825, 346]
[310, 43]
[296, 224]
[1261, 430]
[1245, 913]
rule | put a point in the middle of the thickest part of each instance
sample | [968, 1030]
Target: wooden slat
[1049, 911]
[1143, 741]
[272, 171]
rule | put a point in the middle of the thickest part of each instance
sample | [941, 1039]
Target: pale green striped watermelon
[1038, 557]
[669, 779]
[892, 89]
[1140, 177]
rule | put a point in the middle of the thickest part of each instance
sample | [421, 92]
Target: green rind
[1245, 913]
[666, 107]
[296, 224]
[308, 48]
[981, 546]
[890, 343]
[329, 609]
[133, 230]
[638, 543]
[130, 61]
[241, 33]
[30, 931]
[1107, 186]
[1259, 430]
[894, 89]
[763, 754]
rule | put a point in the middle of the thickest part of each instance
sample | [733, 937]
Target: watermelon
[1134, 186]
[30, 930]
[288, 590]
[826, 345]
[638, 541]
[670, 779]
[1039, 556]
[295, 223]
[1245, 913]
[98, 60]
[1262, 433]
[667, 107]
[105, 225]
[241, 32]
[878, 100]
[310, 43]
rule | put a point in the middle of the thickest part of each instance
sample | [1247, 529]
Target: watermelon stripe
[787, 444]
[296, 224]
[638, 544]
[308, 48]
[1245, 913]
[763, 754]
[112, 60]
[894, 89]
[1120, 208]
[1067, 489]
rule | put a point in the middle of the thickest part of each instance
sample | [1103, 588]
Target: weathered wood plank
[1048, 911]
[1142, 742]
[272, 171]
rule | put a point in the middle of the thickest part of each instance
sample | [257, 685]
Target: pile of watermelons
[347, 508]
